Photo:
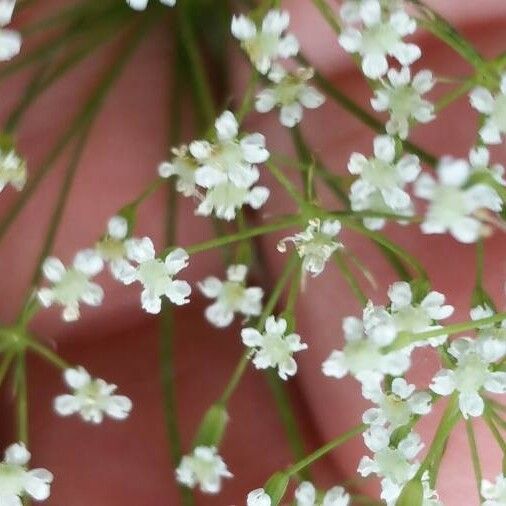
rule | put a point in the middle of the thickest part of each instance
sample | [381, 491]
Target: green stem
[495, 432]
[22, 399]
[286, 184]
[350, 278]
[474, 455]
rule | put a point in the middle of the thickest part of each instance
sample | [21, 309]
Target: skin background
[127, 463]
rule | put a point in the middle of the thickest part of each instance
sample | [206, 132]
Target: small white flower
[494, 108]
[453, 205]
[408, 316]
[231, 296]
[273, 348]
[315, 245]
[479, 158]
[362, 355]
[12, 169]
[381, 178]
[473, 373]
[140, 5]
[91, 398]
[290, 93]
[494, 493]
[379, 38]
[258, 497]
[10, 40]
[305, 495]
[72, 285]
[183, 166]
[16, 482]
[350, 10]
[155, 275]
[393, 465]
[402, 98]
[265, 45]
[204, 468]
[395, 409]
[495, 334]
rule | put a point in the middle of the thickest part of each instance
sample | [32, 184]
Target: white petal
[483, 196]
[311, 98]
[118, 407]
[276, 21]
[93, 295]
[151, 303]
[35, 487]
[305, 494]
[209, 177]
[77, 377]
[370, 12]
[117, 227]
[374, 65]
[251, 337]
[140, 250]
[443, 382]
[226, 126]
[17, 454]
[466, 230]
[176, 260]
[423, 81]
[10, 44]
[258, 196]
[243, 28]
[273, 326]
[400, 294]
[479, 157]
[237, 273]
[406, 54]
[201, 150]
[335, 365]
[53, 269]
[408, 168]
[384, 148]
[71, 312]
[453, 172]
[265, 100]
[471, 403]
[258, 497]
[138, 5]
[6, 10]
[253, 148]
[88, 262]
[290, 115]
[401, 388]
[210, 287]
[482, 100]
[496, 382]
[66, 405]
[399, 78]
[178, 292]
[490, 133]
[350, 40]
[219, 315]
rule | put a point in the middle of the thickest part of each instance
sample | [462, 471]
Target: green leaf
[212, 428]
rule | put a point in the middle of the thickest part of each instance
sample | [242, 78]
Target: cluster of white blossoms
[273, 348]
[494, 493]
[205, 468]
[381, 181]
[315, 245]
[140, 5]
[401, 96]
[91, 398]
[12, 169]
[305, 495]
[374, 36]
[17, 482]
[225, 170]
[232, 296]
[494, 110]
[267, 43]
[10, 40]
[290, 92]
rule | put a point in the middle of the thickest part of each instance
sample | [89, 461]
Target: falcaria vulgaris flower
[350, 10]
[305, 495]
[494, 110]
[258, 497]
[494, 493]
[363, 355]
[379, 38]
[227, 170]
[394, 465]
[205, 468]
[10, 40]
[91, 398]
[140, 5]
[183, 166]
[72, 286]
[381, 181]
[12, 169]
[396, 407]
[402, 98]
[266, 44]
[17, 482]
[156, 275]
[290, 93]
[454, 202]
[232, 296]
[272, 348]
[473, 373]
[315, 245]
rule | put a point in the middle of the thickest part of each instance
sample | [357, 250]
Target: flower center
[361, 355]
[11, 479]
[276, 347]
[261, 46]
[226, 156]
[413, 319]
[396, 410]
[404, 101]
[448, 205]
[232, 294]
[71, 287]
[111, 249]
[380, 174]
[471, 373]
[153, 275]
[379, 39]
[393, 465]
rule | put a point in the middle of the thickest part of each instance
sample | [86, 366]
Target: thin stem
[22, 399]
[474, 454]
[350, 278]
[285, 183]
[47, 354]
[495, 432]
[5, 364]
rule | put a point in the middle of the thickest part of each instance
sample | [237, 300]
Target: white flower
[231, 296]
[380, 38]
[111, 247]
[140, 5]
[204, 468]
[258, 497]
[183, 166]
[402, 98]
[91, 398]
[408, 316]
[363, 355]
[479, 158]
[155, 275]
[383, 179]
[10, 40]
[393, 465]
[17, 482]
[396, 408]
[305, 495]
[72, 285]
[350, 10]
[12, 169]
[473, 373]
[494, 493]
[273, 348]
[265, 45]
[494, 108]
[226, 169]
[290, 93]
[453, 204]
[494, 334]
[315, 245]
